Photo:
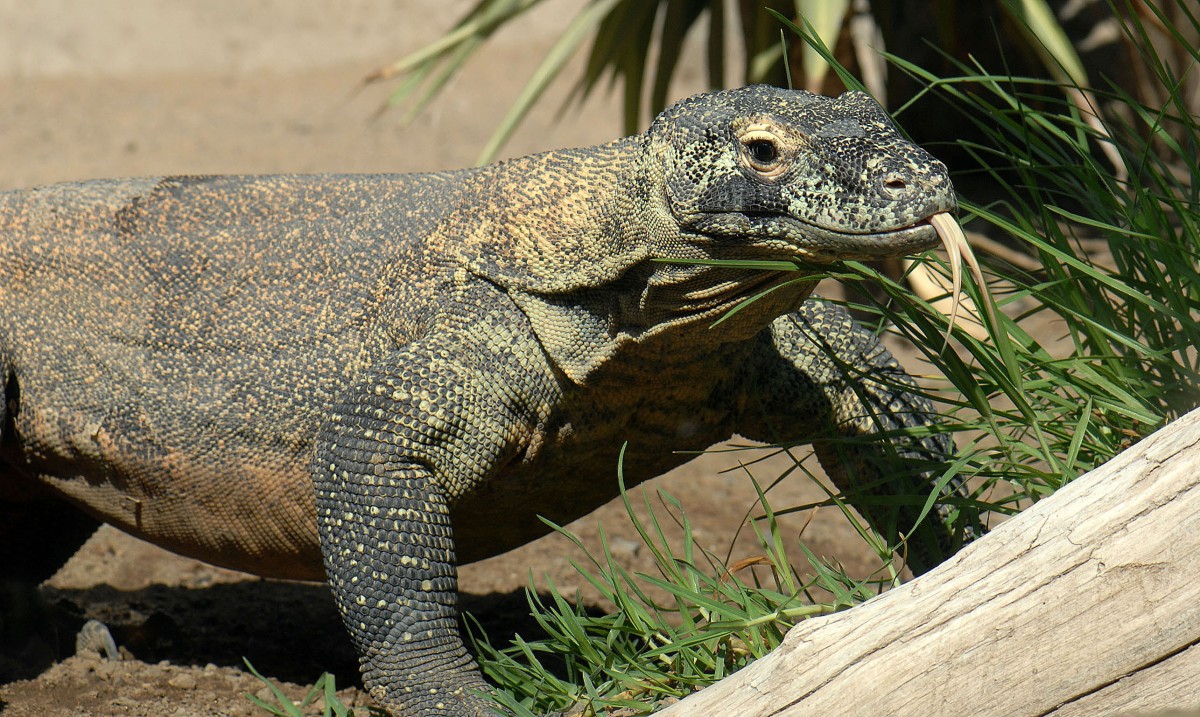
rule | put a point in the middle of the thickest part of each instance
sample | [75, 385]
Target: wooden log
[1088, 603]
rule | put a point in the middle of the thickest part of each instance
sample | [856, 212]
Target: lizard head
[765, 172]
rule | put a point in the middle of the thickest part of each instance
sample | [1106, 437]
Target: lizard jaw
[819, 245]
[825, 246]
[787, 236]
[939, 227]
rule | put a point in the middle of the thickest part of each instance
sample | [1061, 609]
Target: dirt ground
[122, 87]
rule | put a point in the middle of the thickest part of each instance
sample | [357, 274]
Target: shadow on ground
[288, 630]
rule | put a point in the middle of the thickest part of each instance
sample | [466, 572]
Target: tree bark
[1087, 603]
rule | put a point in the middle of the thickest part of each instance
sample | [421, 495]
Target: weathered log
[1088, 603]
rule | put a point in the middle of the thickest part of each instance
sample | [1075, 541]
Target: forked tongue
[952, 237]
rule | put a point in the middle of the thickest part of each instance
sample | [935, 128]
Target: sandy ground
[123, 87]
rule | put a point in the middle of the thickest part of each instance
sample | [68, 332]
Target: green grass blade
[568, 43]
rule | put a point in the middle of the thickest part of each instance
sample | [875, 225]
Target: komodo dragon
[378, 377]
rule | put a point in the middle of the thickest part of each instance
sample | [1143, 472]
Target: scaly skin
[444, 357]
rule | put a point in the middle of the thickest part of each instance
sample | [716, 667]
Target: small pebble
[624, 548]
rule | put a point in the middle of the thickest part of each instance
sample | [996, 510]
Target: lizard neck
[577, 227]
[577, 255]
[695, 304]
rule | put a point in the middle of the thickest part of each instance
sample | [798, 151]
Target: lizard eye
[761, 152]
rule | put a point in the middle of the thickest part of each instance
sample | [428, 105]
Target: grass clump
[1096, 347]
[324, 690]
[698, 619]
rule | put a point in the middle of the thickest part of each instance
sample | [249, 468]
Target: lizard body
[437, 359]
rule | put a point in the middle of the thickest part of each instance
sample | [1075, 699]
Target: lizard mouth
[940, 227]
[788, 236]
[820, 245]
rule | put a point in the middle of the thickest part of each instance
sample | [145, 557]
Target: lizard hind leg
[39, 531]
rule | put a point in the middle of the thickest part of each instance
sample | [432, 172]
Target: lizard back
[172, 343]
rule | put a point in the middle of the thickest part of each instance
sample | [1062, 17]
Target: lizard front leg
[390, 560]
[821, 377]
[429, 425]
